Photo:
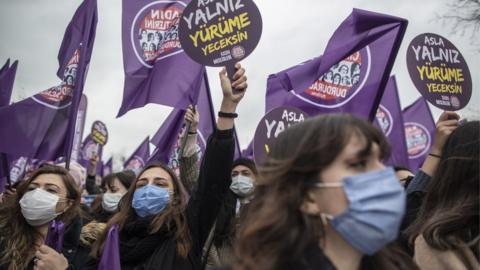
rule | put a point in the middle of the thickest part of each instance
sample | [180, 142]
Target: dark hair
[276, 232]
[339, 78]
[172, 218]
[18, 238]
[449, 216]
[247, 163]
[352, 69]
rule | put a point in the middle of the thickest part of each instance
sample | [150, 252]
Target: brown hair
[449, 216]
[276, 232]
[18, 238]
[173, 217]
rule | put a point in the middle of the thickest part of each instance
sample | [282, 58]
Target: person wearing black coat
[157, 228]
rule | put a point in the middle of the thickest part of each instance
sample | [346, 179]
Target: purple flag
[88, 149]
[389, 119]
[111, 255]
[138, 159]
[351, 74]
[107, 168]
[167, 137]
[156, 68]
[248, 153]
[79, 128]
[7, 78]
[43, 125]
[419, 132]
[238, 150]
[5, 67]
[55, 234]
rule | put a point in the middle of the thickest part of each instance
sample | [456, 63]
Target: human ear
[309, 205]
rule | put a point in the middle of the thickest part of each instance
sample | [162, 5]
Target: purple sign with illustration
[439, 72]
[99, 133]
[220, 32]
[271, 125]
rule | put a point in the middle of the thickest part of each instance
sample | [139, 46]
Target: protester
[116, 186]
[218, 249]
[49, 194]
[157, 229]
[324, 200]
[446, 231]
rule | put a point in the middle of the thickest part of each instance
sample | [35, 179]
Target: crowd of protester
[322, 200]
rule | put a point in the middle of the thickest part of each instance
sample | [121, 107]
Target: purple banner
[111, 255]
[156, 68]
[7, 78]
[107, 168]
[89, 149]
[248, 152]
[390, 120]
[352, 73]
[419, 132]
[79, 128]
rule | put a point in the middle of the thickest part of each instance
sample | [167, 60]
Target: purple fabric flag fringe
[419, 132]
[352, 73]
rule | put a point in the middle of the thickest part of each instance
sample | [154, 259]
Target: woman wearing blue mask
[157, 227]
[324, 200]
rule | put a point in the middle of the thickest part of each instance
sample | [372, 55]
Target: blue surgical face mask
[150, 200]
[375, 211]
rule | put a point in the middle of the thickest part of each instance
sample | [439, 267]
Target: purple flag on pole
[111, 255]
[107, 168]
[79, 128]
[419, 132]
[7, 78]
[138, 159]
[88, 149]
[167, 137]
[238, 150]
[156, 68]
[55, 234]
[389, 119]
[43, 125]
[351, 74]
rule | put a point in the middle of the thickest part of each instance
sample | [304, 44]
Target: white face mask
[242, 185]
[39, 207]
[110, 201]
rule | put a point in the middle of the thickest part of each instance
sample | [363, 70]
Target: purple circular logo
[341, 83]
[60, 96]
[272, 125]
[418, 139]
[154, 32]
[220, 33]
[439, 72]
[135, 164]
[384, 119]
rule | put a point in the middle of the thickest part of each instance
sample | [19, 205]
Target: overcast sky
[294, 31]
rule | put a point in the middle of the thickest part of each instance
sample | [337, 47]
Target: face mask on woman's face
[110, 201]
[375, 211]
[39, 207]
[242, 185]
[150, 200]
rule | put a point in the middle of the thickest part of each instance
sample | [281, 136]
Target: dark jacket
[70, 247]
[158, 251]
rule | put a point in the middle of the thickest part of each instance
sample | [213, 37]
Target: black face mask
[406, 181]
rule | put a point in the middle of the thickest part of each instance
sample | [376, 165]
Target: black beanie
[247, 163]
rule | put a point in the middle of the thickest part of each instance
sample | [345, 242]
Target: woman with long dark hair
[49, 194]
[446, 230]
[324, 200]
[157, 227]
